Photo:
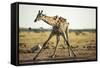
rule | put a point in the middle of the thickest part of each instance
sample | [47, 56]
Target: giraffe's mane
[61, 19]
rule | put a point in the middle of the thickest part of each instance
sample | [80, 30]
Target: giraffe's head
[39, 15]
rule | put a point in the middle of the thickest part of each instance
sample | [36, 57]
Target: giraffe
[60, 28]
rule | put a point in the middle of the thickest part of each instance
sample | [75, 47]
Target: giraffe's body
[56, 22]
[60, 28]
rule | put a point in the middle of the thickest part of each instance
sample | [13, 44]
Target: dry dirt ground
[83, 44]
[61, 55]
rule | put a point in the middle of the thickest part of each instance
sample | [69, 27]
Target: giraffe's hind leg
[67, 36]
[69, 47]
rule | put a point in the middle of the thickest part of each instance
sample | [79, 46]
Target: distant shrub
[91, 47]
[41, 29]
[29, 28]
[77, 32]
[83, 33]
[84, 46]
[37, 31]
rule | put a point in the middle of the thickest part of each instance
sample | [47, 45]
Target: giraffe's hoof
[52, 56]
[34, 58]
[75, 56]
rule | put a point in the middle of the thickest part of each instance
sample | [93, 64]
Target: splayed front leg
[51, 35]
[58, 39]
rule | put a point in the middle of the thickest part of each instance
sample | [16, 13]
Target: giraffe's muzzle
[35, 20]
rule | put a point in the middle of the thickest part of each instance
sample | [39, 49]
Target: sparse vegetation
[81, 42]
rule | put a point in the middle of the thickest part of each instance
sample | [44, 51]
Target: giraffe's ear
[41, 11]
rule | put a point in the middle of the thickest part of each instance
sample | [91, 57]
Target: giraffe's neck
[49, 20]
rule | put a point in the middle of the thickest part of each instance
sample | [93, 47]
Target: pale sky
[78, 18]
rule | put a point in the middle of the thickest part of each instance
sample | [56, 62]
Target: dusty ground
[83, 44]
[81, 54]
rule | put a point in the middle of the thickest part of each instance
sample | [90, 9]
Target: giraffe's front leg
[51, 35]
[58, 39]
